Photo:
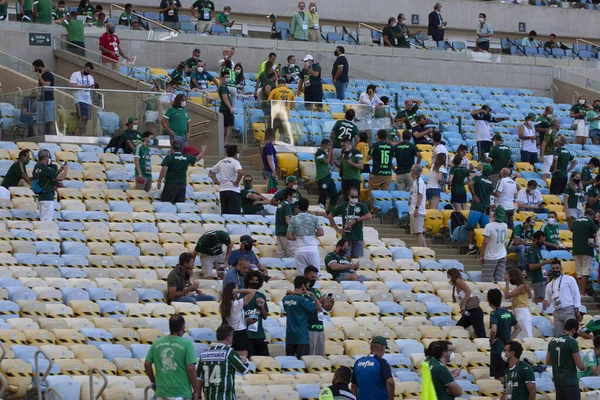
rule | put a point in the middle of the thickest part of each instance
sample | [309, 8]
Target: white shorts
[582, 128]
[209, 262]
[151, 116]
[417, 224]
[306, 258]
[548, 161]
[47, 210]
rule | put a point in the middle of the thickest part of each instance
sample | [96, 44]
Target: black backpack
[116, 143]
[457, 219]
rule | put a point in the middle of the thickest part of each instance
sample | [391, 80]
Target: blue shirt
[370, 375]
[236, 255]
[202, 78]
[233, 276]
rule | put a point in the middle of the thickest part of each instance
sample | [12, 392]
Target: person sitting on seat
[340, 267]
[530, 199]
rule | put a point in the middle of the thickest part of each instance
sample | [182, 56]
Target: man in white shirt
[304, 229]
[526, 132]
[439, 147]
[530, 199]
[230, 174]
[506, 193]
[83, 98]
[417, 209]
[493, 249]
[483, 131]
[563, 293]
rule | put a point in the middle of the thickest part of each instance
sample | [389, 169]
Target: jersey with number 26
[217, 368]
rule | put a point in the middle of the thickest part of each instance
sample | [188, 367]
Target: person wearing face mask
[45, 176]
[520, 296]
[578, 112]
[85, 8]
[564, 162]
[535, 265]
[110, 47]
[17, 171]
[299, 24]
[226, 104]
[45, 104]
[483, 33]
[240, 80]
[283, 215]
[369, 102]
[338, 265]
[353, 215]
[436, 25]
[252, 202]
[170, 10]
[192, 62]
[255, 312]
[562, 293]
[519, 379]
[291, 72]
[83, 81]
[351, 165]
[174, 172]
[314, 30]
[292, 183]
[584, 233]
[227, 68]
[303, 229]
[210, 249]
[588, 172]
[326, 184]
[201, 77]
[311, 84]
[437, 355]
[174, 361]
[131, 136]
[421, 134]
[547, 145]
[564, 357]
[499, 157]
[143, 162]
[550, 229]
[230, 173]
[343, 129]
[390, 33]
[245, 251]
[299, 305]
[542, 123]
[59, 12]
[503, 328]
[592, 117]
[179, 287]
[75, 34]
[339, 72]
[316, 333]
[574, 199]
[593, 194]
[222, 19]
[372, 377]
[526, 134]
[177, 122]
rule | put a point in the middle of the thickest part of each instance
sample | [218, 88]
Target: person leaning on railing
[75, 34]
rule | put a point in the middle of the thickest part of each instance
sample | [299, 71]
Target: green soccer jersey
[381, 157]
[590, 360]
[525, 235]
[222, 18]
[583, 229]
[501, 157]
[27, 5]
[343, 129]
[592, 327]
[133, 136]
[178, 118]
[516, 380]
[542, 122]
[248, 206]
[45, 174]
[44, 11]
[335, 257]
[564, 370]
[321, 164]
[293, 73]
[405, 153]
[551, 232]
[576, 198]
[177, 165]
[591, 114]
[483, 189]
[177, 76]
[224, 90]
[550, 139]
[252, 310]
[204, 9]
[283, 210]
[203, 246]
[216, 369]
[279, 197]
[74, 29]
[349, 211]
[586, 174]
[14, 174]
[143, 154]
[410, 115]
[348, 171]
[594, 191]
[441, 378]
[312, 82]
[315, 320]
[58, 14]
[563, 159]
[459, 174]
[534, 256]
[504, 321]
[171, 355]
[297, 309]
[191, 63]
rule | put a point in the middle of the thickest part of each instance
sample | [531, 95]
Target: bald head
[504, 172]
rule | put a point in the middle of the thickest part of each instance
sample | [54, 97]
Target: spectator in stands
[126, 16]
[42, 11]
[343, 129]
[390, 33]
[562, 293]
[437, 181]
[493, 249]
[340, 389]
[436, 25]
[380, 156]
[304, 229]
[179, 286]
[351, 165]
[520, 296]
[232, 311]
[143, 163]
[45, 106]
[526, 132]
[521, 239]
[483, 32]
[456, 180]
[226, 97]
[547, 146]
[316, 334]
[83, 81]
[590, 360]
[353, 215]
[551, 43]
[238, 273]
[363, 147]
[290, 182]
[203, 10]
[240, 80]
[482, 119]
[298, 306]
[314, 30]
[177, 74]
[99, 19]
[439, 146]
[110, 47]
[574, 199]
[75, 35]
[273, 20]
[591, 329]
[504, 327]
[29, 112]
[59, 12]
[47, 175]
[530, 199]
[402, 27]
[481, 188]
[177, 122]
[311, 84]
[245, 251]
[252, 202]
[421, 134]
[534, 265]
[174, 361]
[174, 172]
[409, 115]
[462, 151]
[506, 193]
[564, 162]
[131, 136]
[564, 357]
[170, 10]
[229, 170]
[210, 249]
[530, 41]
[405, 153]
[192, 63]
[587, 177]
[592, 117]
[584, 232]
[291, 72]
[437, 355]
[519, 380]
[327, 188]
[499, 157]
[338, 265]
[579, 112]
[299, 24]
[593, 194]
[263, 95]
[200, 78]
[550, 229]
[339, 72]
[372, 378]
[255, 311]
[542, 123]
[17, 171]
[228, 54]
[472, 314]
[263, 67]
[416, 208]
[368, 102]
[281, 103]
[285, 248]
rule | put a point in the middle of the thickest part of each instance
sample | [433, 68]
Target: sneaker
[472, 251]
[322, 206]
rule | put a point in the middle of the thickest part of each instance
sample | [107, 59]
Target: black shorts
[258, 347]
[460, 198]
[228, 117]
[558, 185]
[497, 365]
[173, 194]
[568, 392]
[83, 109]
[484, 46]
[240, 340]
[313, 95]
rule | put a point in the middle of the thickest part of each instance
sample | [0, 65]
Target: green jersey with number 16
[216, 370]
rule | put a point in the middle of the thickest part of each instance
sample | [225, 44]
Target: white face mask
[504, 357]
[549, 116]
[237, 155]
[134, 127]
[481, 19]
[200, 69]
[226, 13]
[295, 187]
[451, 358]
[551, 221]
[581, 101]
[237, 71]
[440, 9]
[313, 8]
[292, 65]
[301, 9]
[353, 201]
[307, 64]
[183, 103]
[294, 200]
[394, 24]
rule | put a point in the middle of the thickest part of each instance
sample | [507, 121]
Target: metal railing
[172, 32]
[104, 385]
[40, 379]
[3, 380]
[576, 78]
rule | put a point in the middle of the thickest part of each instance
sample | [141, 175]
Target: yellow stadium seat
[288, 164]
[524, 167]
[490, 388]
[18, 376]
[423, 253]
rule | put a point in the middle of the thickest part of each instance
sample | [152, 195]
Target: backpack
[457, 219]
[35, 182]
[115, 143]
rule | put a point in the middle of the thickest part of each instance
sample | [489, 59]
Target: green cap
[530, 116]
[291, 179]
[380, 340]
[131, 119]
[498, 137]
[499, 214]
[486, 169]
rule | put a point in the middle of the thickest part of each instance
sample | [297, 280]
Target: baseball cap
[499, 214]
[272, 16]
[247, 239]
[486, 169]
[498, 137]
[131, 119]
[530, 116]
[308, 57]
[380, 340]
[290, 179]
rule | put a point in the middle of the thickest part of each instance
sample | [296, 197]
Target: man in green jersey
[338, 265]
[406, 154]
[47, 175]
[179, 287]
[590, 360]
[126, 16]
[594, 193]
[42, 11]
[547, 146]
[458, 174]
[564, 162]
[174, 172]
[534, 264]
[584, 233]
[75, 34]
[291, 72]
[143, 163]
[563, 355]
[283, 215]
[438, 355]
[409, 115]
[311, 84]
[298, 306]
[316, 333]
[503, 327]
[252, 202]
[499, 157]
[351, 165]
[210, 249]
[218, 365]
[481, 188]
[60, 11]
[326, 185]
[519, 380]
[353, 215]
[550, 229]
[17, 171]
[380, 155]
[26, 10]
[203, 10]
[587, 172]
[290, 182]
[542, 123]
[343, 129]
[255, 312]
[131, 136]
[591, 330]
[173, 357]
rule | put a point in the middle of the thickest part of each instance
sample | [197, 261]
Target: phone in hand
[330, 295]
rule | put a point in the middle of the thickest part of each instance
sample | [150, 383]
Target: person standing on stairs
[326, 185]
[481, 188]
[353, 215]
[227, 174]
[304, 229]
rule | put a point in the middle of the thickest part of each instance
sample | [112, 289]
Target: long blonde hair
[440, 161]
[515, 275]
[572, 183]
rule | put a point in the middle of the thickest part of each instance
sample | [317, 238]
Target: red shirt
[110, 42]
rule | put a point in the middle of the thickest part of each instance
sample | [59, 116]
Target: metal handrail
[39, 380]
[575, 96]
[54, 391]
[91, 374]
[380, 31]
[146, 390]
[2, 377]
[175, 32]
[553, 90]
[585, 41]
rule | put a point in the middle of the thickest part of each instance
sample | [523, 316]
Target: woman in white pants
[520, 296]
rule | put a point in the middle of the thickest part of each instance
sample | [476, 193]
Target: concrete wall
[568, 92]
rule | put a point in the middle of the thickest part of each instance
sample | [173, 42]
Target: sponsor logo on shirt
[213, 355]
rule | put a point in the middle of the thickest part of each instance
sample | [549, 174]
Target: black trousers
[231, 202]
[173, 193]
[475, 319]
[258, 347]
[297, 350]
[350, 183]
[567, 392]
[327, 189]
